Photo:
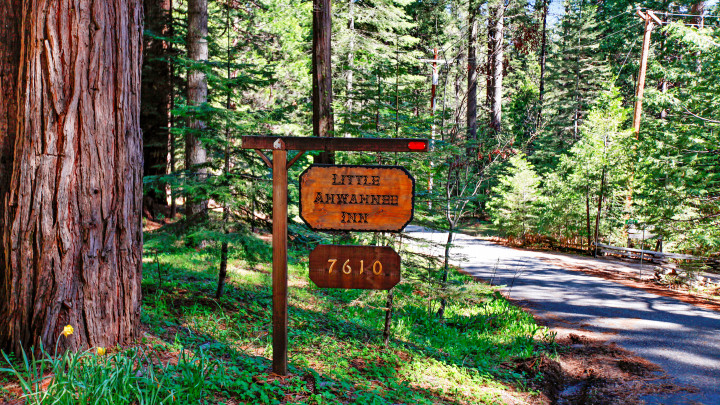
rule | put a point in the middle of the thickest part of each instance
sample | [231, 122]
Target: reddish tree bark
[71, 234]
[698, 8]
[156, 99]
[9, 64]
[323, 120]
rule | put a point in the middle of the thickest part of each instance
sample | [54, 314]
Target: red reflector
[417, 145]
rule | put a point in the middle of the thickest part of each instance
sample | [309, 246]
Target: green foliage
[680, 181]
[201, 350]
[134, 376]
[596, 168]
[514, 208]
[577, 73]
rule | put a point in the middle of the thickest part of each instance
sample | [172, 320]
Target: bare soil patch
[592, 371]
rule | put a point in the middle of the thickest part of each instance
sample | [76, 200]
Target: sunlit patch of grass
[482, 229]
[453, 381]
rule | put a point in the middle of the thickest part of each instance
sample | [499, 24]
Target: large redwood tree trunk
[9, 64]
[71, 232]
[156, 99]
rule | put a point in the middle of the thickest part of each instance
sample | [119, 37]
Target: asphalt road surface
[681, 338]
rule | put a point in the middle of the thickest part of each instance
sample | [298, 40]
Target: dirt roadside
[589, 371]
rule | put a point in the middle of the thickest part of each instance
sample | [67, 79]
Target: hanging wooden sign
[354, 267]
[280, 145]
[356, 198]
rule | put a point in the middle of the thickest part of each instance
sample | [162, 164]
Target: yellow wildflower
[101, 351]
[68, 330]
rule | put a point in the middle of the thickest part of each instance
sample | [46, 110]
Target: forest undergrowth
[196, 349]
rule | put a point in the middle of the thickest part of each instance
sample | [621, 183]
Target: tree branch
[699, 117]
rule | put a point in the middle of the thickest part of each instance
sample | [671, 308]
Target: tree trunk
[156, 99]
[543, 54]
[222, 274]
[459, 107]
[472, 74]
[322, 75]
[378, 100]
[698, 9]
[9, 66]
[587, 215]
[599, 210]
[71, 235]
[351, 64]
[388, 316]
[498, 28]
[446, 271]
[195, 153]
[489, 63]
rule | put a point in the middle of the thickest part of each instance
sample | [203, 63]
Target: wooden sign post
[279, 165]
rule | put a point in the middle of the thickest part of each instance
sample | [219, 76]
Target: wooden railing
[654, 257]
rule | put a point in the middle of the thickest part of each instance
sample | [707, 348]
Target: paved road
[681, 338]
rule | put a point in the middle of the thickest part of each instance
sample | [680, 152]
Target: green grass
[483, 229]
[196, 349]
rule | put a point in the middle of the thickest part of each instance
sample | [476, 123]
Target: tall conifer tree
[577, 73]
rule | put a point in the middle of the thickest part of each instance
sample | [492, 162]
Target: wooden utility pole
[323, 125]
[433, 104]
[650, 20]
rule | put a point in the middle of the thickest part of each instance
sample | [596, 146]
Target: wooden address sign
[354, 267]
[356, 198]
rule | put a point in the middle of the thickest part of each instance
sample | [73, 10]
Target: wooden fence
[654, 257]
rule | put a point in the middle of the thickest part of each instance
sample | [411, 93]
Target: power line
[690, 15]
[596, 41]
[616, 16]
[625, 61]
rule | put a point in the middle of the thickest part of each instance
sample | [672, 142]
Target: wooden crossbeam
[335, 144]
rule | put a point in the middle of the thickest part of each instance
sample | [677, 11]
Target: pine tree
[577, 73]
[678, 176]
[515, 207]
